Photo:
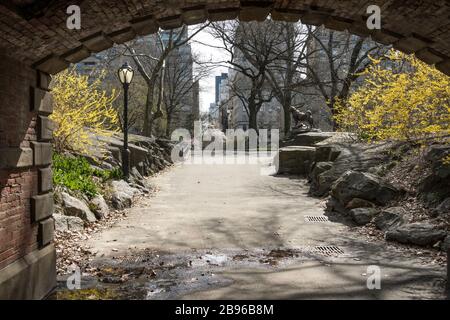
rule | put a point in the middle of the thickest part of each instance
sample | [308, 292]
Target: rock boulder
[390, 218]
[356, 157]
[423, 234]
[74, 207]
[67, 223]
[435, 187]
[444, 207]
[362, 216]
[99, 207]
[359, 203]
[354, 184]
[122, 194]
[317, 169]
[445, 245]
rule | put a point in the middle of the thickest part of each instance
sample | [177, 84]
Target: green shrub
[105, 175]
[76, 174]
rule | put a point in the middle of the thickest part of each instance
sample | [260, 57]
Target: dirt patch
[70, 248]
[69, 244]
[275, 256]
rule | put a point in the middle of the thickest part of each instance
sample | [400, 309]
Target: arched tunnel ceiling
[35, 31]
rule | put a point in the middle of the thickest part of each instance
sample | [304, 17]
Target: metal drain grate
[328, 250]
[316, 219]
[132, 260]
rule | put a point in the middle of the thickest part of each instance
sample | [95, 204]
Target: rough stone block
[223, 14]
[51, 64]
[339, 24]
[288, 16]
[122, 36]
[194, 15]
[31, 277]
[170, 22]
[46, 231]
[429, 56]
[307, 139]
[360, 29]
[314, 18]
[254, 13]
[97, 42]
[385, 36]
[45, 128]
[145, 25]
[42, 101]
[42, 153]
[42, 207]
[77, 54]
[43, 80]
[45, 182]
[410, 44]
[444, 66]
[16, 157]
[327, 153]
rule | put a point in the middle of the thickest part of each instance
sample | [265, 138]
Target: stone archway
[35, 43]
[37, 33]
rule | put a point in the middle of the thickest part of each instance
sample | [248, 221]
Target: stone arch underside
[35, 43]
[37, 34]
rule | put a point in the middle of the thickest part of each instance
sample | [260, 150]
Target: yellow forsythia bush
[81, 109]
[396, 103]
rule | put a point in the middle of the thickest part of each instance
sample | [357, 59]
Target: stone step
[307, 139]
[295, 160]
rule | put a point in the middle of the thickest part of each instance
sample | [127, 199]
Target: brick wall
[18, 235]
[21, 159]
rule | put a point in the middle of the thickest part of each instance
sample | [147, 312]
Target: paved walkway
[235, 208]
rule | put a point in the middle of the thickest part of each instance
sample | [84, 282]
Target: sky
[207, 85]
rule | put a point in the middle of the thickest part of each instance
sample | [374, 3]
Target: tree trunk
[252, 120]
[287, 101]
[147, 130]
[333, 113]
[168, 125]
[287, 121]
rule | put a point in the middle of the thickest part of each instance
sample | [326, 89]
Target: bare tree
[290, 61]
[285, 72]
[251, 96]
[150, 65]
[301, 53]
[335, 61]
[252, 48]
[180, 79]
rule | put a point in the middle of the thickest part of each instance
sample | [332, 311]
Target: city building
[218, 113]
[180, 60]
[89, 65]
[214, 115]
[179, 74]
[219, 80]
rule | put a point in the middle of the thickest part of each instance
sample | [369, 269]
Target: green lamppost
[125, 73]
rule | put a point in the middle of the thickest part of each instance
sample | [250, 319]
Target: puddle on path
[149, 274]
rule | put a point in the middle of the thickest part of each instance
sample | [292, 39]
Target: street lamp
[125, 73]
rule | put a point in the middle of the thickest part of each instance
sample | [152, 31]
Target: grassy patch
[87, 294]
[76, 174]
